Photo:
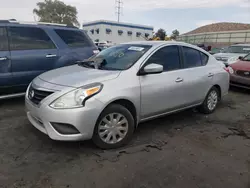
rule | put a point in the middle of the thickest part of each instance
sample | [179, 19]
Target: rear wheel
[114, 127]
[210, 103]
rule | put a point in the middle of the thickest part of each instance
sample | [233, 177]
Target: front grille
[243, 73]
[36, 96]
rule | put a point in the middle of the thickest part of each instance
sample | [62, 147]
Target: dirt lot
[183, 150]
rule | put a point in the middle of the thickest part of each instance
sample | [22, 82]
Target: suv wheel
[210, 103]
[114, 127]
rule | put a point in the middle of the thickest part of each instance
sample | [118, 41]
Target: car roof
[36, 24]
[158, 43]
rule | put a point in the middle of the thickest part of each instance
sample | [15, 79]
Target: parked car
[217, 50]
[27, 50]
[240, 72]
[102, 45]
[232, 53]
[106, 96]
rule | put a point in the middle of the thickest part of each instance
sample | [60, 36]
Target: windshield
[119, 57]
[238, 49]
[247, 57]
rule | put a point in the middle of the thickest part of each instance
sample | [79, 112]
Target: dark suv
[27, 50]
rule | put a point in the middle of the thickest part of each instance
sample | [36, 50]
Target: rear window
[73, 38]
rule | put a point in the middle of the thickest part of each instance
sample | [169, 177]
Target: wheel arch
[127, 104]
[219, 89]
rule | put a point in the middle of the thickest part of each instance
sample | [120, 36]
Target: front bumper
[239, 81]
[83, 119]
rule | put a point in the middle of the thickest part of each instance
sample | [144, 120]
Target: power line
[118, 7]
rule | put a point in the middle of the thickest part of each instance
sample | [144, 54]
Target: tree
[175, 34]
[56, 11]
[161, 33]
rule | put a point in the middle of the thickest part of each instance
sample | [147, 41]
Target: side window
[168, 57]
[73, 38]
[29, 38]
[3, 39]
[204, 58]
[192, 57]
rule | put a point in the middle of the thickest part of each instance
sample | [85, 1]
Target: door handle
[3, 58]
[50, 55]
[210, 75]
[179, 80]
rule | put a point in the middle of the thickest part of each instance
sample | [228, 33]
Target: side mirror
[240, 58]
[151, 69]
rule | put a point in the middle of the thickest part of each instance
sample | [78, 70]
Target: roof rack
[33, 23]
[36, 23]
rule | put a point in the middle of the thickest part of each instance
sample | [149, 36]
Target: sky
[184, 15]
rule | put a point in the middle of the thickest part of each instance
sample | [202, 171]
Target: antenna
[118, 7]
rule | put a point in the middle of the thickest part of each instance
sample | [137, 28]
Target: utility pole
[118, 8]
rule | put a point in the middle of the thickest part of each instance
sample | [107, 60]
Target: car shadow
[239, 90]
[12, 102]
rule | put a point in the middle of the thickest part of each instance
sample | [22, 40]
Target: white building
[117, 32]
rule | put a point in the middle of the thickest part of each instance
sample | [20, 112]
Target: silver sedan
[105, 97]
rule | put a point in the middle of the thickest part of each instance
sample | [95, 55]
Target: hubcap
[113, 128]
[212, 100]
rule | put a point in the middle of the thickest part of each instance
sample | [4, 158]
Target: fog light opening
[65, 129]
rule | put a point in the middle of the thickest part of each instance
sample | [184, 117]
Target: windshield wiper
[86, 63]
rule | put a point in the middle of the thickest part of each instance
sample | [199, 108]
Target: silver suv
[106, 96]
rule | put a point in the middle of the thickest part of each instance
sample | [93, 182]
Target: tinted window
[192, 57]
[168, 57]
[29, 38]
[73, 38]
[3, 39]
[238, 49]
[204, 58]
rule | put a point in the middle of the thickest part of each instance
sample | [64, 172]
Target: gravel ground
[184, 150]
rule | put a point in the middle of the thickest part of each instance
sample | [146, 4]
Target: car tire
[108, 131]
[211, 101]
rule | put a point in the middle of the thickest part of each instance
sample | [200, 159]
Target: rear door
[5, 62]
[32, 53]
[197, 75]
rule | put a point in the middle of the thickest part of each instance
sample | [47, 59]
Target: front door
[5, 63]
[32, 53]
[162, 92]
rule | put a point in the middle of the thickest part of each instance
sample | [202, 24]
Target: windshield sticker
[135, 48]
[246, 49]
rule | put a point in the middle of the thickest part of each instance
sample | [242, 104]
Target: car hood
[241, 65]
[77, 76]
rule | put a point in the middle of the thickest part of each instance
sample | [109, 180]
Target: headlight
[232, 60]
[230, 69]
[77, 97]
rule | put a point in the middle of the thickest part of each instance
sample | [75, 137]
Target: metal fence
[217, 38]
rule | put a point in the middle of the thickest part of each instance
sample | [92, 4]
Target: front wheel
[210, 103]
[114, 127]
